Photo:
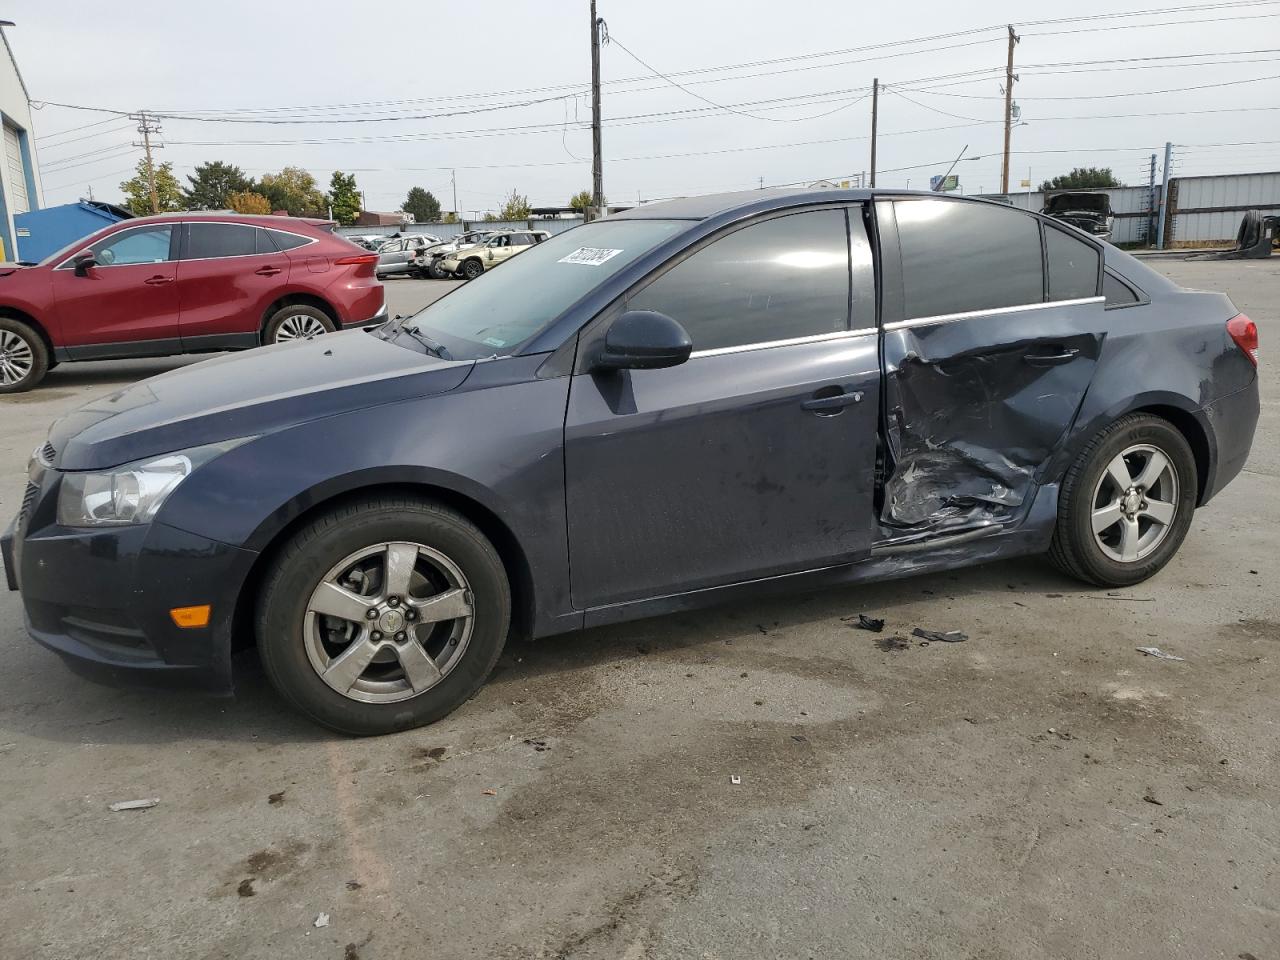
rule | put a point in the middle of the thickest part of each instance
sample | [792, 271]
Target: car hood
[247, 394]
[9, 267]
[1095, 203]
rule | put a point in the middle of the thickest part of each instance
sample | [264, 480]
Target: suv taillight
[1245, 333]
[356, 259]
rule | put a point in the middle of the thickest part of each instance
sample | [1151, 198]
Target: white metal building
[19, 173]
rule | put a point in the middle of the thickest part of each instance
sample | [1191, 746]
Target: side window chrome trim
[794, 341]
[952, 317]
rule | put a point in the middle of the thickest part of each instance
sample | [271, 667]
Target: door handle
[268, 271]
[834, 403]
[1051, 359]
[157, 280]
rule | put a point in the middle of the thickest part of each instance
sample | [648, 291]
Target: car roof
[259, 219]
[701, 208]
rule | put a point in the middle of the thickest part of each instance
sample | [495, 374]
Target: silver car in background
[395, 257]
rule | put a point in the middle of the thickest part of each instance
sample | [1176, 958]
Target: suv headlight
[132, 493]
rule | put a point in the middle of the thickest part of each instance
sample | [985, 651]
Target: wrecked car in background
[695, 401]
[426, 261]
[1089, 211]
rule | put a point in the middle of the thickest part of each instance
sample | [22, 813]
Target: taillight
[1245, 333]
[356, 259]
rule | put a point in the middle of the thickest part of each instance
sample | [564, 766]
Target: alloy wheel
[1134, 503]
[388, 622]
[17, 359]
[299, 326]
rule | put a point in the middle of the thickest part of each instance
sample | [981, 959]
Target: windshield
[504, 307]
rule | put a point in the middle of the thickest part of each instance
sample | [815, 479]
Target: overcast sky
[402, 60]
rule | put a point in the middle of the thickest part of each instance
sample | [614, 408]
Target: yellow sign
[1026, 183]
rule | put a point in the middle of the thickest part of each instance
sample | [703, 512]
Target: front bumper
[100, 599]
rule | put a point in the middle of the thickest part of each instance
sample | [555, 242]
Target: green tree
[247, 201]
[212, 184]
[580, 201]
[137, 191]
[515, 207]
[293, 190]
[1083, 178]
[344, 197]
[423, 205]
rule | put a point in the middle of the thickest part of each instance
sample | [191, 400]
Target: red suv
[182, 283]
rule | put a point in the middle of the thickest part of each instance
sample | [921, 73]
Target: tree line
[216, 185]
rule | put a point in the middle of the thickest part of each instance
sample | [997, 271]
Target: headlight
[132, 493]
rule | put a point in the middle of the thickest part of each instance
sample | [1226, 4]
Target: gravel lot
[1042, 790]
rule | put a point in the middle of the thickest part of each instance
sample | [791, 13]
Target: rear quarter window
[287, 241]
[1117, 292]
[1074, 265]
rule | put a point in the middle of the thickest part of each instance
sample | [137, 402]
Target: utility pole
[1008, 111]
[597, 164]
[875, 111]
[147, 126]
[1164, 197]
[1151, 201]
[453, 179]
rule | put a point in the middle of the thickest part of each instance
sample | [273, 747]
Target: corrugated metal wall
[1195, 220]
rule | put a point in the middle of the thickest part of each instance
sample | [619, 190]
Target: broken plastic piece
[1159, 654]
[863, 622]
[951, 636]
[735, 779]
[146, 804]
[322, 920]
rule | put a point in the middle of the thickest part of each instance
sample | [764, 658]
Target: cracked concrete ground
[1042, 790]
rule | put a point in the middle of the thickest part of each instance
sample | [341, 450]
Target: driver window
[147, 245]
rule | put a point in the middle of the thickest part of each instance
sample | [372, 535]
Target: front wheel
[1126, 504]
[24, 359]
[384, 615]
[472, 269]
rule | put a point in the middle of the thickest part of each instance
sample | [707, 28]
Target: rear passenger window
[207, 241]
[287, 241]
[1073, 265]
[783, 278]
[1117, 292]
[960, 256]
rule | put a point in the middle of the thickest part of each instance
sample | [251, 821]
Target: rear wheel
[24, 359]
[297, 321]
[384, 615]
[1126, 504]
[472, 269]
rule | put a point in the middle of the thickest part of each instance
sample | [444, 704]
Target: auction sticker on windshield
[591, 256]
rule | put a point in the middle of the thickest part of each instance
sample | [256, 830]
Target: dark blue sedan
[691, 402]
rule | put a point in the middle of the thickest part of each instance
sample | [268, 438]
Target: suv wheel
[434, 271]
[1126, 504]
[24, 359]
[386, 614]
[472, 269]
[297, 322]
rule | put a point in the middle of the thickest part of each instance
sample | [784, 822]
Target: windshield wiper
[433, 346]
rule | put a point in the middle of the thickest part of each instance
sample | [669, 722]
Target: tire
[297, 321]
[471, 269]
[24, 359]
[1151, 517]
[451, 559]
[435, 273]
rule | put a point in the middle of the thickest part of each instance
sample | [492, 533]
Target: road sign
[938, 184]
[1025, 183]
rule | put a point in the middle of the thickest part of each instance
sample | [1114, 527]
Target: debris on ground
[275, 799]
[951, 636]
[1117, 596]
[321, 921]
[863, 622]
[799, 737]
[354, 884]
[539, 745]
[1158, 653]
[146, 804]
[1151, 799]
[893, 644]
[246, 887]
[735, 779]
[491, 793]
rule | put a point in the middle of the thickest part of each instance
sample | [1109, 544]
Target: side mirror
[644, 340]
[83, 263]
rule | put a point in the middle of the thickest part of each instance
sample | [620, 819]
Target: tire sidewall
[466, 269]
[277, 318]
[283, 608]
[1172, 444]
[39, 356]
